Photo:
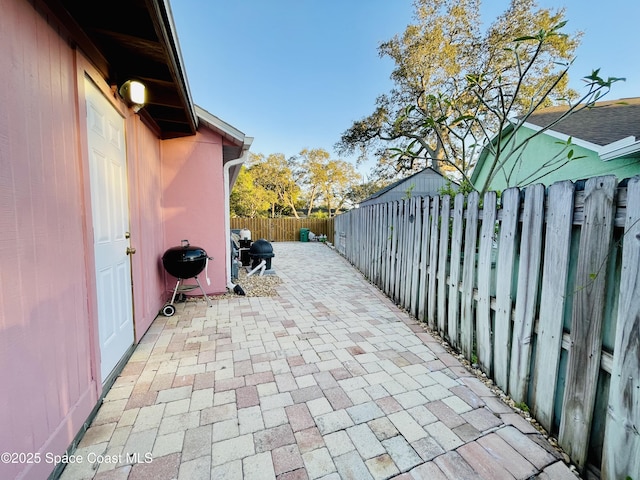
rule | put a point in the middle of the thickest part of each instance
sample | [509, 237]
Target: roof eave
[627, 147]
[240, 143]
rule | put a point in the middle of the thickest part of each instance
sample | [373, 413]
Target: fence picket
[504, 280]
[405, 284]
[377, 254]
[389, 259]
[623, 412]
[483, 307]
[552, 300]
[415, 272]
[527, 294]
[395, 221]
[445, 216]
[398, 228]
[468, 272]
[587, 315]
[454, 274]
[384, 238]
[433, 263]
[424, 259]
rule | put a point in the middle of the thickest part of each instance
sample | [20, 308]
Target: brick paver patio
[327, 380]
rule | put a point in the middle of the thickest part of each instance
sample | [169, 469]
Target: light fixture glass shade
[134, 93]
[137, 92]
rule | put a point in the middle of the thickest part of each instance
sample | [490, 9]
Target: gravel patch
[254, 286]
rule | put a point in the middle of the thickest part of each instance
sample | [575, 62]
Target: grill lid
[185, 261]
[261, 249]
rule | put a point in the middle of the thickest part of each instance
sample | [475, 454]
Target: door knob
[131, 251]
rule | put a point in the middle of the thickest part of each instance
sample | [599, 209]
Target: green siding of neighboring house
[525, 169]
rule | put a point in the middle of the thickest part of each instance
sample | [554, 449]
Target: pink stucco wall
[194, 202]
[147, 232]
[47, 368]
[49, 354]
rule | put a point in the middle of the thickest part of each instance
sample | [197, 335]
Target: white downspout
[227, 221]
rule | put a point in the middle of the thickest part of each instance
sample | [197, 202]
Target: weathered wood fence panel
[504, 281]
[552, 300]
[455, 269]
[284, 229]
[483, 305]
[621, 456]
[528, 276]
[468, 272]
[587, 318]
[533, 289]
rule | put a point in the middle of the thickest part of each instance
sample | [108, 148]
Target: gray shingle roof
[607, 122]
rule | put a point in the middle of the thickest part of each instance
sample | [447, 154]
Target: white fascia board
[621, 148]
[223, 128]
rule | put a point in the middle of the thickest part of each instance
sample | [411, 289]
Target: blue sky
[295, 74]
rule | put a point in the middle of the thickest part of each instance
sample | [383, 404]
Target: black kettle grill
[185, 261]
[261, 250]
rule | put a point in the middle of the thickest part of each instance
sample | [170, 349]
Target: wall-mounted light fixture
[134, 93]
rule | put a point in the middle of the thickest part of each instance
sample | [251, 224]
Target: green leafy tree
[248, 199]
[326, 179]
[455, 87]
[275, 174]
[312, 164]
[341, 178]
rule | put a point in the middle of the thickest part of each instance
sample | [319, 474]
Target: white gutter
[227, 220]
[624, 147]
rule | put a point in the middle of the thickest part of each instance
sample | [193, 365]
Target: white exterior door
[110, 211]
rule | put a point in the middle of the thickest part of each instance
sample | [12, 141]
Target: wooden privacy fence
[284, 229]
[540, 288]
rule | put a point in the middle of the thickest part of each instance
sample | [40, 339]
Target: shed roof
[392, 186]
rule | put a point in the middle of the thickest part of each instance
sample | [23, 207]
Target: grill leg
[206, 297]
[175, 291]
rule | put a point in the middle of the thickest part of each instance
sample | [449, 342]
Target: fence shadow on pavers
[539, 287]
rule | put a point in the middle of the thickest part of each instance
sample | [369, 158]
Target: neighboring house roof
[603, 124]
[431, 182]
[134, 39]
[611, 128]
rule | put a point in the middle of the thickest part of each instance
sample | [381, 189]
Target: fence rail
[540, 288]
[284, 229]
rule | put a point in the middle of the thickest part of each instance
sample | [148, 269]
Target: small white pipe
[261, 266]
